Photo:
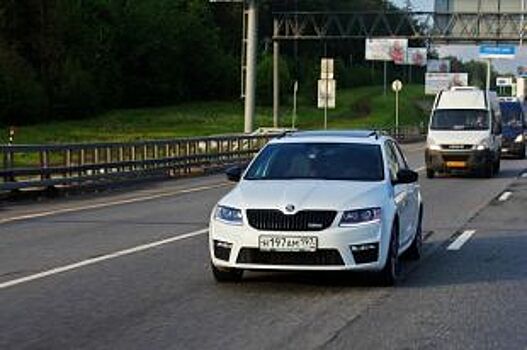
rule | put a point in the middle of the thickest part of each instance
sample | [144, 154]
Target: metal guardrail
[26, 166]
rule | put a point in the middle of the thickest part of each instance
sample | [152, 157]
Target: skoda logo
[290, 208]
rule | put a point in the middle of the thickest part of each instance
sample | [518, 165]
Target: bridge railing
[25, 166]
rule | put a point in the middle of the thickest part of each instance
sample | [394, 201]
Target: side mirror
[234, 173]
[406, 176]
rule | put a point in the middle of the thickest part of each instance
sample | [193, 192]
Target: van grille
[275, 220]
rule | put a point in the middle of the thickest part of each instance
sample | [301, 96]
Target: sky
[468, 52]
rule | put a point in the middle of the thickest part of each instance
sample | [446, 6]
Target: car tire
[225, 275]
[390, 273]
[521, 155]
[430, 173]
[415, 250]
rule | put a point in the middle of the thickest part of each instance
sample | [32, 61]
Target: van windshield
[460, 119]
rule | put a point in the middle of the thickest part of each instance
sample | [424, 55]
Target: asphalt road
[129, 270]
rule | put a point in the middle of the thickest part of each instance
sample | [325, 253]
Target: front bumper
[511, 147]
[338, 249]
[450, 160]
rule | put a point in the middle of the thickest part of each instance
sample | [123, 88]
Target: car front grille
[458, 147]
[275, 220]
[322, 257]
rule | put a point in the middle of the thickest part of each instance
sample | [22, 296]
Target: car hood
[510, 132]
[306, 194]
[457, 137]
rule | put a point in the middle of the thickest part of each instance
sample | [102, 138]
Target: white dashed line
[504, 196]
[100, 259]
[462, 239]
[109, 204]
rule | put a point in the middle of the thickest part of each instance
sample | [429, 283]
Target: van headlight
[432, 146]
[519, 138]
[483, 145]
[227, 215]
[353, 217]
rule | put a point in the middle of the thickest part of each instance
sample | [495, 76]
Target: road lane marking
[461, 240]
[505, 196]
[109, 204]
[99, 259]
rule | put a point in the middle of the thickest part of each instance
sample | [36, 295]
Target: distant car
[464, 133]
[514, 128]
[319, 201]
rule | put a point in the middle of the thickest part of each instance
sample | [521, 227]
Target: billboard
[435, 82]
[386, 50]
[438, 66]
[416, 56]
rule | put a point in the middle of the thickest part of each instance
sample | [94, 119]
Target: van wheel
[224, 275]
[488, 170]
[390, 273]
[497, 166]
[430, 173]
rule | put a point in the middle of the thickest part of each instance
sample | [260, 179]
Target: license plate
[288, 244]
[456, 164]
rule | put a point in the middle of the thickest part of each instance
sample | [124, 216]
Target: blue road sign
[488, 51]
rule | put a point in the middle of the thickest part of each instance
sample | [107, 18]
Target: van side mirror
[406, 176]
[234, 173]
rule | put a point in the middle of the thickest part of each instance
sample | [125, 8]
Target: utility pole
[250, 78]
[276, 77]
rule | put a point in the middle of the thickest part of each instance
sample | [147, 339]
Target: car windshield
[460, 119]
[327, 161]
[511, 114]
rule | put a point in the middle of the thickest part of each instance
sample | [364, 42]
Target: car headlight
[353, 217]
[519, 138]
[483, 145]
[227, 215]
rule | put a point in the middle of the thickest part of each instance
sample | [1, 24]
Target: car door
[412, 191]
[399, 192]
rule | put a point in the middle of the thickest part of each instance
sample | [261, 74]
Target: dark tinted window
[511, 113]
[328, 161]
[460, 119]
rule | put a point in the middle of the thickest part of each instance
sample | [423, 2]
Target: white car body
[399, 202]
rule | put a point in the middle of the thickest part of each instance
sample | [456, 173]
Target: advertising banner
[438, 66]
[415, 56]
[436, 82]
[386, 50]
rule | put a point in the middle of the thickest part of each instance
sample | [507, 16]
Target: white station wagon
[319, 201]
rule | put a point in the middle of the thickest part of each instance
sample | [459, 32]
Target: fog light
[222, 250]
[365, 253]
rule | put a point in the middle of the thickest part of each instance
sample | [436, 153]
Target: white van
[464, 133]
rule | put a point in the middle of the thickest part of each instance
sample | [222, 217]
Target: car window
[327, 161]
[401, 159]
[391, 158]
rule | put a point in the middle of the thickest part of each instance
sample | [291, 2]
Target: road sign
[397, 86]
[327, 68]
[327, 93]
[502, 51]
